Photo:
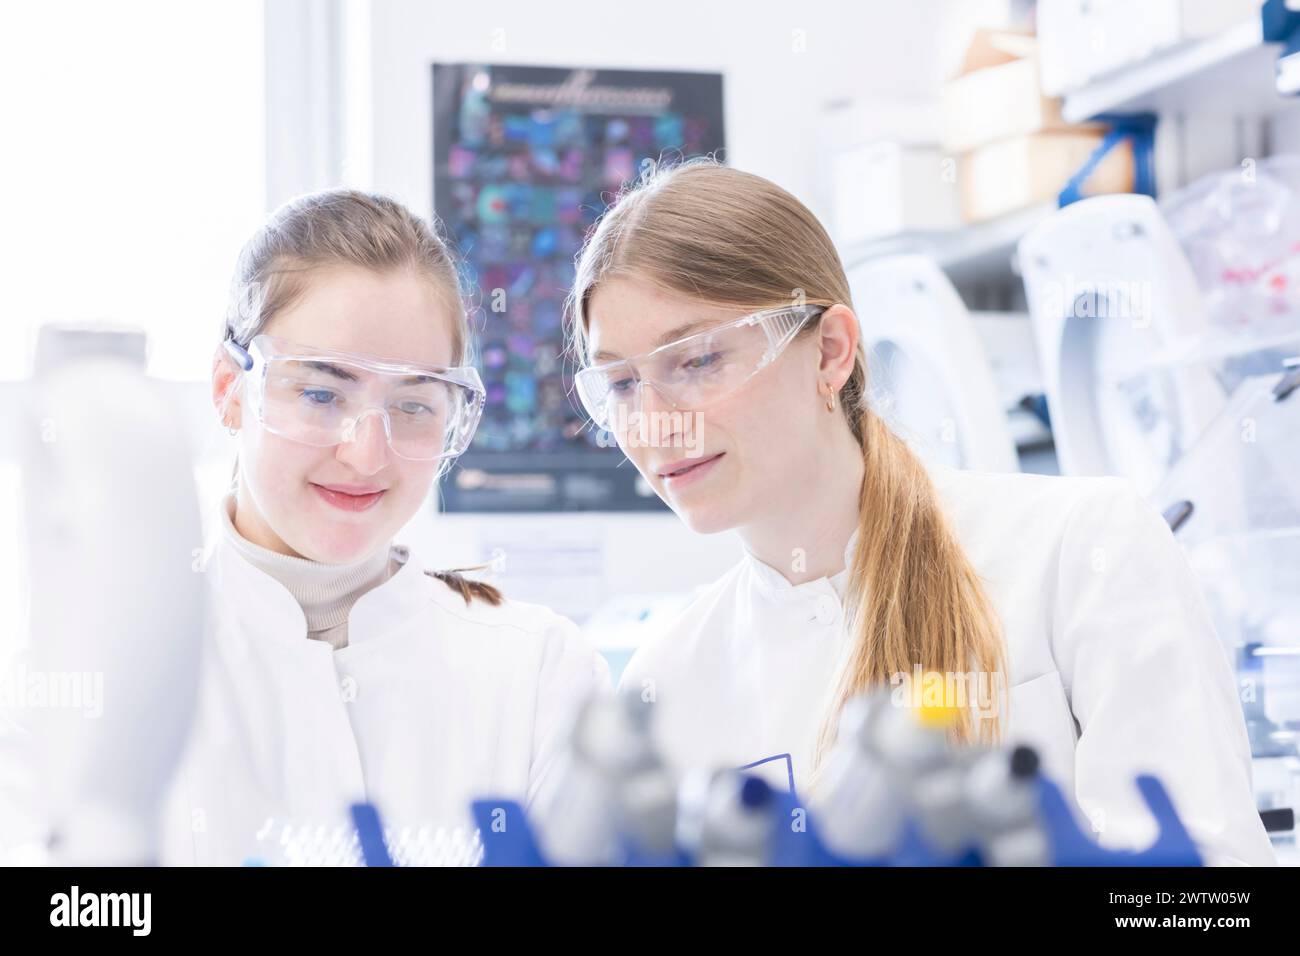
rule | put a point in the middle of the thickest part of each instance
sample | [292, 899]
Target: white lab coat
[1115, 668]
[431, 704]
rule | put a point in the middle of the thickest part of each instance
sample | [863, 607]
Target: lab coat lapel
[266, 611]
[394, 603]
[263, 608]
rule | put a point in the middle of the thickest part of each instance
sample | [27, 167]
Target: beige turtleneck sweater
[325, 592]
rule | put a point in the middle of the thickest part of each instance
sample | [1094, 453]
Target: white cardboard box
[1084, 39]
[883, 188]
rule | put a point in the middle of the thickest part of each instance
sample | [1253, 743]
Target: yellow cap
[937, 715]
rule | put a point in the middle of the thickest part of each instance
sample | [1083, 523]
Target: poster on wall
[525, 160]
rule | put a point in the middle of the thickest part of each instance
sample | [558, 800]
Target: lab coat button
[828, 610]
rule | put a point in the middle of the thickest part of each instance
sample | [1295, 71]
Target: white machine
[1237, 500]
[1189, 388]
[1116, 310]
[928, 374]
[98, 704]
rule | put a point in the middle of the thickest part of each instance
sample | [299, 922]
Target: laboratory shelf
[977, 251]
[1230, 73]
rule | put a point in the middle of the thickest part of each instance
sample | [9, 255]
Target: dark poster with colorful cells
[525, 159]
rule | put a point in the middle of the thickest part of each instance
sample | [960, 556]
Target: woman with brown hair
[1058, 612]
[339, 668]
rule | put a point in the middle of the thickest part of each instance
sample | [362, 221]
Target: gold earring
[830, 397]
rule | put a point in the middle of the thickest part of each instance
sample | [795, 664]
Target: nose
[365, 448]
[660, 419]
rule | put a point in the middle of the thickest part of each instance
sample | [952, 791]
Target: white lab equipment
[724, 818]
[311, 843]
[1237, 497]
[860, 806]
[612, 793]
[1001, 798]
[117, 605]
[1112, 295]
[928, 375]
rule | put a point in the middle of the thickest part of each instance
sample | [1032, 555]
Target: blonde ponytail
[914, 598]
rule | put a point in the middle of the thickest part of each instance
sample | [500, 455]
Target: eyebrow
[338, 372]
[672, 335]
[329, 368]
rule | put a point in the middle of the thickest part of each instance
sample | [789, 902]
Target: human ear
[837, 340]
[225, 391]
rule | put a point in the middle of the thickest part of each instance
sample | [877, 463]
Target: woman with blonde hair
[340, 669]
[1058, 612]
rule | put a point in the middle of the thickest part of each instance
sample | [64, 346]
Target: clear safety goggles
[320, 397]
[692, 372]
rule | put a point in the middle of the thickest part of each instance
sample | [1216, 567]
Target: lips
[350, 497]
[358, 490]
[687, 467]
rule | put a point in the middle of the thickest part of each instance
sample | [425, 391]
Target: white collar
[265, 609]
[775, 585]
[325, 592]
